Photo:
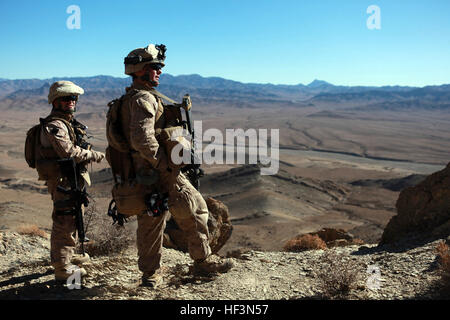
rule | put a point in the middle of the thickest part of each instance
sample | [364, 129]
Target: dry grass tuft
[104, 238]
[337, 275]
[305, 242]
[32, 230]
[443, 252]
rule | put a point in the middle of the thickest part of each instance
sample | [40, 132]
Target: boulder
[322, 239]
[336, 237]
[423, 211]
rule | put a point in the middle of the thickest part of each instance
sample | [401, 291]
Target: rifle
[78, 195]
[193, 170]
[80, 133]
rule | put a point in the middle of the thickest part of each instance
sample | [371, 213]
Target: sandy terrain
[309, 192]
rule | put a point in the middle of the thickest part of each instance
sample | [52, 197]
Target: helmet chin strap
[59, 108]
[146, 78]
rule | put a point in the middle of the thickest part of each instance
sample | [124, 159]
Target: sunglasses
[156, 66]
[69, 98]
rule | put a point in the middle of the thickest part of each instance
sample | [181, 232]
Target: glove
[97, 156]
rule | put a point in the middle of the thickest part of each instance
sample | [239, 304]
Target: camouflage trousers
[190, 212]
[63, 236]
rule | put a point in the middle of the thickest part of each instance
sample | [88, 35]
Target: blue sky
[264, 41]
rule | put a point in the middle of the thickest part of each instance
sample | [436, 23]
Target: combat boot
[63, 273]
[79, 259]
[151, 280]
[212, 264]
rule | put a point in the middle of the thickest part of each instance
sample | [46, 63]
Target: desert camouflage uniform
[187, 206]
[55, 136]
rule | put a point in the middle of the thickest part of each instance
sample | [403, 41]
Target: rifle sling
[159, 94]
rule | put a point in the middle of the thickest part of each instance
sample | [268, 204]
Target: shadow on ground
[24, 289]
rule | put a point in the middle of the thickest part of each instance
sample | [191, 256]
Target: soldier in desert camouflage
[58, 140]
[142, 114]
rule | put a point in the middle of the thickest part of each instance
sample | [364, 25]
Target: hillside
[283, 205]
[408, 268]
[400, 273]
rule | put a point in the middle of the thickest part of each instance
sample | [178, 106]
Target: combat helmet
[139, 57]
[63, 89]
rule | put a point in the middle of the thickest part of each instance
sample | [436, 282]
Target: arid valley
[344, 155]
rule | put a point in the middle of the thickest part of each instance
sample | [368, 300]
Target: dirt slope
[401, 272]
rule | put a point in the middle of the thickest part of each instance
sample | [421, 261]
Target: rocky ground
[404, 271]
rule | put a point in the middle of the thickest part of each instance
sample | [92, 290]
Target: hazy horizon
[206, 77]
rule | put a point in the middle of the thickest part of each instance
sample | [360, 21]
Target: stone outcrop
[322, 239]
[336, 237]
[423, 211]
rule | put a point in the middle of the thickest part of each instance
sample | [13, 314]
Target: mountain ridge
[219, 91]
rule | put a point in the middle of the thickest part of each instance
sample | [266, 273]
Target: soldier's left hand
[98, 156]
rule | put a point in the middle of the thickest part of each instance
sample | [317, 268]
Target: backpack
[34, 150]
[128, 195]
[118, 151]
[31, 142]
[114, 135]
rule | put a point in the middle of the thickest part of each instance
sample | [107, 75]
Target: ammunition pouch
[130, 198]
[148, 180]
[130, 189]
[64, 204]
[65, 207]
[47, 169]
[65, 212]
[136, 196]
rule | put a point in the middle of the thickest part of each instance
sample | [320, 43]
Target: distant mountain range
[32, 93]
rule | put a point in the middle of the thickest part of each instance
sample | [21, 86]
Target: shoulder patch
[57, 128]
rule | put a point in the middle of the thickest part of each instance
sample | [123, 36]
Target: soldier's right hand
[97, 156]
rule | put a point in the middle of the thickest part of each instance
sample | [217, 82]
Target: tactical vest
[43, 159]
